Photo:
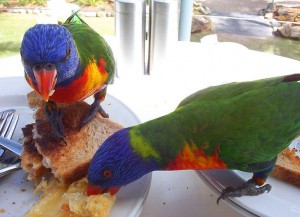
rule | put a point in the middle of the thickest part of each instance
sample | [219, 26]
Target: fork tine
[3, 120]
[12, 126]
[8, 124]
[6, 115]
[8, 111]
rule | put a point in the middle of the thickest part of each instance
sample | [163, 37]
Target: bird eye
[107, 173]
[37, 67]
[49, 66]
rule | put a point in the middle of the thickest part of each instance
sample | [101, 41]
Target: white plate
[282, 200]
[17, 193]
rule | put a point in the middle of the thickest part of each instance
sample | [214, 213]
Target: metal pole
[130, 23]
[185, 20]
[163, 33]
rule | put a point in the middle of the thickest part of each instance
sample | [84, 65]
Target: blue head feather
[116, 156]
[50, 43]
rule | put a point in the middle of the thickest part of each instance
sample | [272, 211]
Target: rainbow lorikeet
[65, 64]
[239, 126]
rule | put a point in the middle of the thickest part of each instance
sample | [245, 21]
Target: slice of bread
[68, 160]
[31, 159]
[287, 167]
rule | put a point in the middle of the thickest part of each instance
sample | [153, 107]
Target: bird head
[115, 164]
[49, 57]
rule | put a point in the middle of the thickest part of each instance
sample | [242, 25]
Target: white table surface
[189, 67]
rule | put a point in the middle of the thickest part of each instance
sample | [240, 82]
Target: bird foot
[93, 110]
[248, 188]
[54, 117]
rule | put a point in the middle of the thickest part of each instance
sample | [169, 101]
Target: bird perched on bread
[65, 64]
[240, 125]
[42, 153]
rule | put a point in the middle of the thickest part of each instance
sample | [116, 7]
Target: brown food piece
[287, 167]
[31, 159]
[34, 100]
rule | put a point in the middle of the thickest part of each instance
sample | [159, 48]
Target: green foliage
[23, 2]
[15, 27]
[39, 2]
[4, 2]
[90, 2]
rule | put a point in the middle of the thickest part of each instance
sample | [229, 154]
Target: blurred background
[262, 25]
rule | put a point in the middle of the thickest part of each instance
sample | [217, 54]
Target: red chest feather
[91, 80]
[194, 158]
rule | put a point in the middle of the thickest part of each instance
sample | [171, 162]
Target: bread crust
[287, 167]
[31, 160]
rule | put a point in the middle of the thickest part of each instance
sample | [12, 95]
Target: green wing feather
[229, 90]
[248, 127]
[82, 33]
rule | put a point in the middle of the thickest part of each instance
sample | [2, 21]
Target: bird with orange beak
[66, 64]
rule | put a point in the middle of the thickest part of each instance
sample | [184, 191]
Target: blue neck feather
[117, 153]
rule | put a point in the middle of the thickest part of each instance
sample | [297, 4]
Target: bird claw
[248, 188]
[93, 110]
[102, 112]
[54, 117]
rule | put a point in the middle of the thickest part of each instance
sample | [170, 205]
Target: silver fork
[8, 122]
[9, 169]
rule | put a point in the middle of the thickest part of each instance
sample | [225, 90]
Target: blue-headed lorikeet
[65, 64]
[239, 126]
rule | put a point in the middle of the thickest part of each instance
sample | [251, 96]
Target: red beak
[46, 80]
[95, 190]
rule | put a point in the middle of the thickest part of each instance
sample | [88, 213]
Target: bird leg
[249, 188]
[54, 117]
[96, 107]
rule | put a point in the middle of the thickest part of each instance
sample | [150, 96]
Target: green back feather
[252, 125]
[83, 33]
[229, 90]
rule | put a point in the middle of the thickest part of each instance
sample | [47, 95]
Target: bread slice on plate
[68, 160]
[287, 167]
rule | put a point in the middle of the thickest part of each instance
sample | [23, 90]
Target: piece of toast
[68, 160]
[287, 167]
[31, 159]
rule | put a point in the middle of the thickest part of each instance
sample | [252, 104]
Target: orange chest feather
[89, 82]
[195, 158]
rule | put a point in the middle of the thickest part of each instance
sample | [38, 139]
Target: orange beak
[46, 80]
[94, 190]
